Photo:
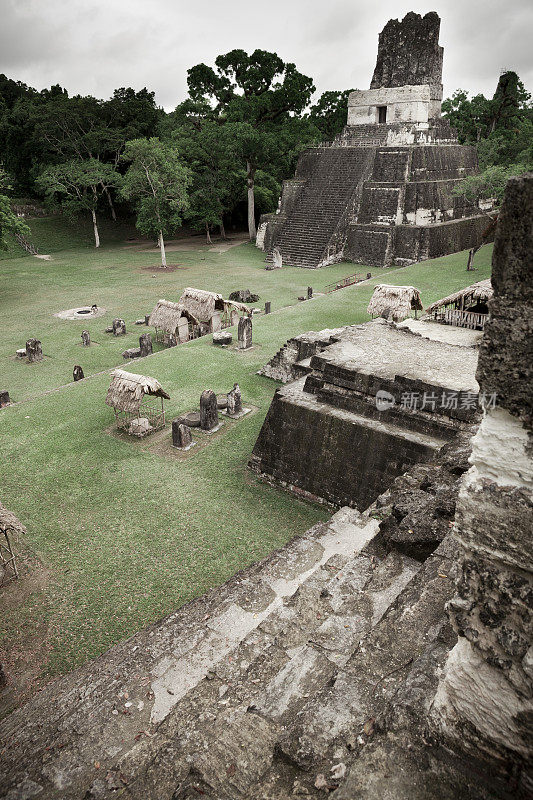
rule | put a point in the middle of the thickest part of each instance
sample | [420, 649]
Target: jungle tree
[156, 181]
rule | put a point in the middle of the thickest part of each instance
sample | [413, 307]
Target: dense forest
[219, 158]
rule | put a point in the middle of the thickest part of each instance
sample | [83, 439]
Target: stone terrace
[324, 435]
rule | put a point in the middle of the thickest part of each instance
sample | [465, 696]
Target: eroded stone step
[334, 721]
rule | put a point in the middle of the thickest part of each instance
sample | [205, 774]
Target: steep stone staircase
[270, 685]
[323, 200]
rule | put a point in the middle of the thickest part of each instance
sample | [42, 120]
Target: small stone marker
[234, 406]
[145, 344]
[147, 319]
[244, 333]
[34, 350]
[309, 292]
[183, 329]
[277, 258]
[4, 399]
[141, 321]
[368, 275]
[267, 308]
[181, 434]
[132, 352]
[86, 338]
[119, 327]
[191, 418]
[208, 410]
[109, 329]
[21, 352]
[222, 337]
[77, 373]
[94, 308]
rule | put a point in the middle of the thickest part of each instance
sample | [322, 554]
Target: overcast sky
[95, 46]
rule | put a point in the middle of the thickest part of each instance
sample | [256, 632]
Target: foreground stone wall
[485, 700]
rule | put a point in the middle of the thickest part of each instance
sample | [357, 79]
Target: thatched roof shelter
[166, 315]
[127, 391]
[480, 292]
[203, 304]
[9, 522]
[394, 302]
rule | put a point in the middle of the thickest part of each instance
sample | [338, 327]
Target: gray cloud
[95, 46]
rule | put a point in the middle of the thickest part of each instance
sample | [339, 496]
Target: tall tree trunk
[207, 234]
[95, 228]
[162, 248]
[250, 174]
[110, 202]
[223, 230]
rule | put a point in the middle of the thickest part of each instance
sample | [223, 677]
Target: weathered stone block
[145, 344]
[222, 337]
[208, 410]
[34, 351]
[132, 352]
[181, 434]
[234, 401]
[119, 327]
[244, 333]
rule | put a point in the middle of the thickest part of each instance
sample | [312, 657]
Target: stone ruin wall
[323, 436]
[409, 52]
[485, 700]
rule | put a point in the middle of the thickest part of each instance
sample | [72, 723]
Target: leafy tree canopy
[10, 224]
[330, 113]
[156, 181]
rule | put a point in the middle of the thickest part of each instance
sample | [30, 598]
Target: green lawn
[127, 534]
[115, 278]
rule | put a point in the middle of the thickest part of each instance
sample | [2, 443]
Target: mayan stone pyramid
[381, 193]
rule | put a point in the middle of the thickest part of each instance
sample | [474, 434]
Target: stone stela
[244, 333]
[208, 411]
[34, 350]
[119, 327]
[145, 345]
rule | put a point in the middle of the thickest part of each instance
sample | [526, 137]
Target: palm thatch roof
[9, 522]
[203, 304]
[394, 302]
[166, 315]
[237, 306]
[127, 390]
[481, 291]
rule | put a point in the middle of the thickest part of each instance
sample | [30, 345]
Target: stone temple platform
[375, 400]
[381, 192]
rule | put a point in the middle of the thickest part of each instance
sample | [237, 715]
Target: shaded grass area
[125, 534]
[56, 233]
